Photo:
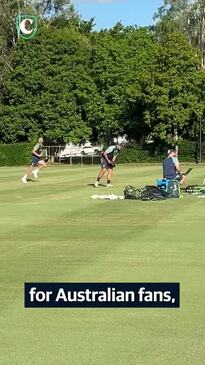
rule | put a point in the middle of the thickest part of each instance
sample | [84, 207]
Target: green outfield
[50, 230]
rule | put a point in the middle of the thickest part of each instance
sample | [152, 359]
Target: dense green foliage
[149, 153]
[134, 154]
[15, 154]
[189, 17]
[70, 83]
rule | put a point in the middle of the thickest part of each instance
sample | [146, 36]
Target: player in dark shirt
[107, 163]
[37, 161]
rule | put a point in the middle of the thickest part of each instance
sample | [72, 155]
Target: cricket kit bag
[171, 187]
[147, 192]
[130, 192]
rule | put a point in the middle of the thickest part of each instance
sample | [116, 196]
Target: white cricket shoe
[109, 186]
[96, 184]
[24, 180]
[35, 174]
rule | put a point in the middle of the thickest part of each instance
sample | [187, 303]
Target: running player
[107, 163]
[37, 161]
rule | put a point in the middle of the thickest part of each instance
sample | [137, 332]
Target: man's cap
[171, 150]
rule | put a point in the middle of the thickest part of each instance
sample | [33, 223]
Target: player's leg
[109, 177]
[102, 171]
[181, 178]
[34, 168]
[100, 175]
[41, 165]
[27, 173]
[35, 172]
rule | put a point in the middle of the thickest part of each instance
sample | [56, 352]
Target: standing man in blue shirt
[107, 163]
[171, 170]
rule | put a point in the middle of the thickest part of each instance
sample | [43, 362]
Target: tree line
[72, 83]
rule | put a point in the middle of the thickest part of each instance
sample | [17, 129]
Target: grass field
[51, 230]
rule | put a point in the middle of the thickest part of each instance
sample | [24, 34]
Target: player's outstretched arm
[106, 157]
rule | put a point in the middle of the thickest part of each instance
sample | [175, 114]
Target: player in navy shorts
[37, 161]
[107, 163]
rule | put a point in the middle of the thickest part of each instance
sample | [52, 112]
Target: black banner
[102, 295]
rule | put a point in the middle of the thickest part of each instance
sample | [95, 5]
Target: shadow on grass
[32, 180]
[93, 185]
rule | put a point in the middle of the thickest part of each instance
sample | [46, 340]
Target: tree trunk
[176, 137]
[202, 36]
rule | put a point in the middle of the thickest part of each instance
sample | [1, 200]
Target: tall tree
[52, 8]
[8, 11]
[44, 92]
[189, 15]
[177, 89]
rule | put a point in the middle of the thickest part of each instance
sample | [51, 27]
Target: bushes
[138, 154]
[187, 153]
[20, 153]
[15, 154]
[128, 155]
